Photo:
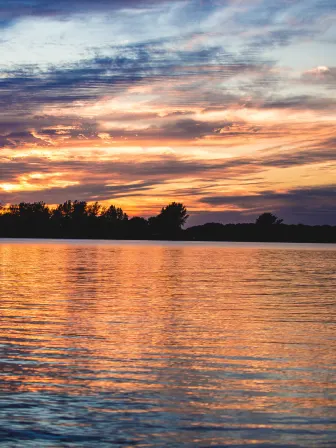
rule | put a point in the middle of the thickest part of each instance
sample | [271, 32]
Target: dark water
[167, 345]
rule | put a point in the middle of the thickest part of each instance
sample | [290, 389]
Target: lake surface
[112, 344]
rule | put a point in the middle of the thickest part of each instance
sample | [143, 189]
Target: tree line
[78, 219]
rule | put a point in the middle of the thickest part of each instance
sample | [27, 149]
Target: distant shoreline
[158, 240]
[80, 220]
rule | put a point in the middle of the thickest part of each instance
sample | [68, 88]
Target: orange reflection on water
[197, 329]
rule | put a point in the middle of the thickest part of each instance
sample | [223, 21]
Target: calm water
[106, 344]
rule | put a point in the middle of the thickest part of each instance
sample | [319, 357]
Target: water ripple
[167, 345]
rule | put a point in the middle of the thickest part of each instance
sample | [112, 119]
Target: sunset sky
[228, 106]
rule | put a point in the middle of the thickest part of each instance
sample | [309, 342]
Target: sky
[228, 106]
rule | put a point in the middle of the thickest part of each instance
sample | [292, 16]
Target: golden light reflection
[130, 318]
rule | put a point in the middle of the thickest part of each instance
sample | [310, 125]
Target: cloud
[90, 192]
[32, 97]
[315, 205]
[293, 197]
[99, 165]
[321, 75]
[301, 102]
[300, 158]
[62, 8]
[89, 79]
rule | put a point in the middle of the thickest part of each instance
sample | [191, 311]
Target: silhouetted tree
[114, 214]
[66, 219]
[139, 227]
[94, 209]
[31, 218]
[64, 210]
[113, 222]
[78, 211]
[175, 215]
[170, 221]
[268, 219]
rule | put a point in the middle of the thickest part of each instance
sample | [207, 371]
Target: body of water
[112, 344]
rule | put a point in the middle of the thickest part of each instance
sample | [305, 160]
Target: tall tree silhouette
[114, 222]
[68, 219]
[114, 214]
[31, 218]
[170, 221]
[139, 227]
[268, 219]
